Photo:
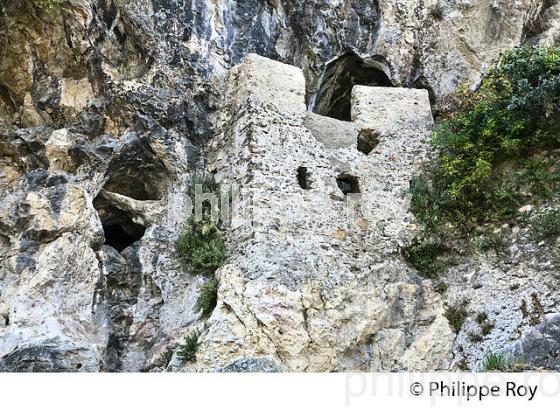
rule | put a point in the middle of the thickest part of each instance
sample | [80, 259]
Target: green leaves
[200, 249]
[187, 350]
[515, 113]
[425, 258]
[207, 297]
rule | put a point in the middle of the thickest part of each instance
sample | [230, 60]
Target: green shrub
[475, 337]
[440, 286]
[456, 315]
[499, 362]
[436, 12]
[547, 225]
[486, 328]
[495, 362]
[200, 248]
[480, 148]
[481, 317]
[425, 258]
[207, 297]
[187, 350]
[490, 240]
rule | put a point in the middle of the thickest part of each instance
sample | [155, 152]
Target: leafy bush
[200, 248]
[495, 362]
[490, 240]
[514, 113]
[437, 12]
[187, 350]
[499, 362]
[207, 297]
[424, 257]
[547, 225]
[456, 315]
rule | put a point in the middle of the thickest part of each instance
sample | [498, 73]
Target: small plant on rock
[187, 350]
[547, 226]
[207, 297]
[456, 315]
[425, 258]
[200, 248]
[436, 12]
[500, 362]
[480, 173]
[490, 240]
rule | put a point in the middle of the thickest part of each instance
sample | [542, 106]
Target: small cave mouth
[123, 234]
[333, 97]
[367, 141]
[119, 228]
[348, 184]
[303, 178]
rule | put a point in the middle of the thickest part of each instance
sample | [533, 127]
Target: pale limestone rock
[304, 288]
[29, 115]
[57, 153]
[76, 94]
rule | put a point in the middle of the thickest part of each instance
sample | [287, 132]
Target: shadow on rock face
[540, 347]
[45, 358]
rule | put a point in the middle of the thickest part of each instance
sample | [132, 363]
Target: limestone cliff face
[108, 107]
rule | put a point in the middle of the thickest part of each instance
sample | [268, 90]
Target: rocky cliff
[108, 108]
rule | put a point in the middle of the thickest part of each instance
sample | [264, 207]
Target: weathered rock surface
[108, 107]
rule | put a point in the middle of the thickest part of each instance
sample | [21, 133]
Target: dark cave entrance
[123, 234]
[348, 184]
[119, 228]
[340, 76]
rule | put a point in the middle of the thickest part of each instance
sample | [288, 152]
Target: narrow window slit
[303, 178]
[367, 141]
[348, 184]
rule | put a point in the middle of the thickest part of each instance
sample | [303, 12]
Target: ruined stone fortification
[107, 109]
[315, 281]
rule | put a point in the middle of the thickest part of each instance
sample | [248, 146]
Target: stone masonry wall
[315, 281]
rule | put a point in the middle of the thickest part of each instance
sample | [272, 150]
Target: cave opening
[123, 234]
[348, 184]
[119, 228]
[303, 178]
[333, 98]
